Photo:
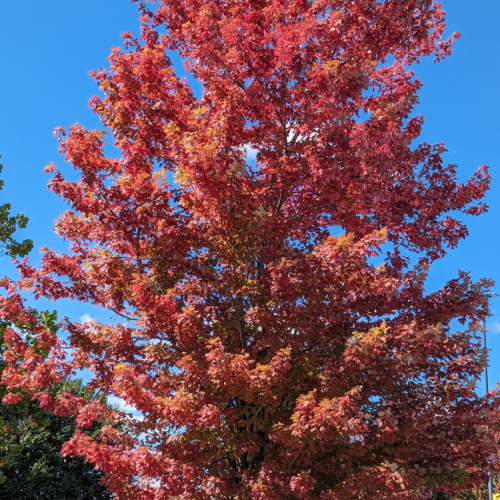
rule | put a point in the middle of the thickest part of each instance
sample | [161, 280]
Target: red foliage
[270, 359]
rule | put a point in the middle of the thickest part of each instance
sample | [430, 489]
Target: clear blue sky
[47, 49]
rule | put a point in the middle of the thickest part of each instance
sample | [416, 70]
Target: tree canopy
[271, 321]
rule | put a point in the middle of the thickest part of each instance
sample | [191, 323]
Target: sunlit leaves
[271, 347]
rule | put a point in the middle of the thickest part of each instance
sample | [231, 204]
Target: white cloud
[250, 153]
[122, 404]
[133, 414]
[493, 326]
[86, 318]
[293, 135]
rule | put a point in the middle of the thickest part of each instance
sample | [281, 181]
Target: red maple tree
[271, 353]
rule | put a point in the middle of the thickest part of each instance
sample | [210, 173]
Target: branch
[296, 456]
[123, 315]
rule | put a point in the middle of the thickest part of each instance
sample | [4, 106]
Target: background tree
[274, 350]
[31, 466]
[9, 224]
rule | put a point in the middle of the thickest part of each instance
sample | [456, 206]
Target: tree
[31, 467]
[9, 224]
[273, 348]
[35, 469]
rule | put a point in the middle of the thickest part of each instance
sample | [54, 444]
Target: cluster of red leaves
[270, 359]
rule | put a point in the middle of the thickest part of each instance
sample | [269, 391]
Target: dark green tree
[9, 224]
[34, 468]
[439, 495]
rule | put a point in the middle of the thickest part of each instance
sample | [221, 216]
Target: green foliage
[439, 495]
[31, 465]
[10, 415]
[8, 226]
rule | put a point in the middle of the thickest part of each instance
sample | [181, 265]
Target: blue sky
[49, 47]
